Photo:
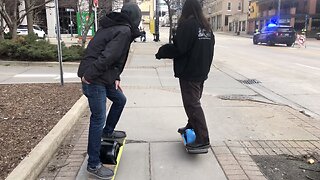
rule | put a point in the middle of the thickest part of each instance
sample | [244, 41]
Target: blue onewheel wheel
[190, 136]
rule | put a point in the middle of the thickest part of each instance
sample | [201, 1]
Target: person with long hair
[192, 52]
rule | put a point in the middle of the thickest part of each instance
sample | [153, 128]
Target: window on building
[239, 6]
[230, 26]
[229, 6]
[226, 20]
[318, 7]
[243, 26]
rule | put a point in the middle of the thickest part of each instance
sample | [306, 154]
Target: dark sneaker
[115, 135]
[101, 172]
[183, 129]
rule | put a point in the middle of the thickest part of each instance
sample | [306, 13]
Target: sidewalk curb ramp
[32, 165]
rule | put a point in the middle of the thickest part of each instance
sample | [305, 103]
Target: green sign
[82, 20]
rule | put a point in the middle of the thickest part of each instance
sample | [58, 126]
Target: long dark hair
[193, 8]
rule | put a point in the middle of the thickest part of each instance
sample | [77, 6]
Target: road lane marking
[315, 68]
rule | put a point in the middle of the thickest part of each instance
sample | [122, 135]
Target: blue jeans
[97, 97]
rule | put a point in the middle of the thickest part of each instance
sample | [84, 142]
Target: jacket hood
[113, 19]
[133, 11]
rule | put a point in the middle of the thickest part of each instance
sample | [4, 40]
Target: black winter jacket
[192, 51]
[107, 52]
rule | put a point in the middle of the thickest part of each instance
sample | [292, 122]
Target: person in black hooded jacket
[192, 52]
[100, 70]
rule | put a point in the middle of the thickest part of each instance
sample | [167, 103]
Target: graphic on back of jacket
[203, 34]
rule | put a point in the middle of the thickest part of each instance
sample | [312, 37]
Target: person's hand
[158, 56]
[84, 80]
[117, 83]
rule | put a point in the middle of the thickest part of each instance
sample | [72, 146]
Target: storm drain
[249, 81]
[239, 97]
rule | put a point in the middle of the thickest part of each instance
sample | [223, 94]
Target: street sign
[69, 10]
[96, 3]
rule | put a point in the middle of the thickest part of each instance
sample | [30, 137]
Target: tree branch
[31, 9]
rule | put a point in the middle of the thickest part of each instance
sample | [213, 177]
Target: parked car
[23, 30]
[275, 35]
[318, 36]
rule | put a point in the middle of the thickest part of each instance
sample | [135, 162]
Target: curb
[31, 63]
[32, 165]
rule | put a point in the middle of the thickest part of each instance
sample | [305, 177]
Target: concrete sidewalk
[240, 121]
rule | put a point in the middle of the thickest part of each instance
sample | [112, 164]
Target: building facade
[301, 14]
[227, 15]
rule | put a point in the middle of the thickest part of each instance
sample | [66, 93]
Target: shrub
[72, 53]
[31, 49]
[7, 48]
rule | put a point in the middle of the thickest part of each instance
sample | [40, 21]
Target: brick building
[300, 14]
[227, 15]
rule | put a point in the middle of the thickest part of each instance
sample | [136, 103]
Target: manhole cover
[235, 97]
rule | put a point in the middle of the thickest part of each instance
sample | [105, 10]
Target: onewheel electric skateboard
[110, 154]
[189, 136]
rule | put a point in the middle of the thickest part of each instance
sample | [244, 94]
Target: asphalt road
[289, 75]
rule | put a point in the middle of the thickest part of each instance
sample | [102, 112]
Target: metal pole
[59, 40]
[157, 33]
[279, 8]
[95, 18]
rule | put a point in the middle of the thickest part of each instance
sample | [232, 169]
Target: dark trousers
[191, 93]
[97, 96]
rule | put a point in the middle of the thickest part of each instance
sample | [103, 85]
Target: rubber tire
[290, 44]
[270, 43]
[255, 41]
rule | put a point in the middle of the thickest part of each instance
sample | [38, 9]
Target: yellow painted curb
[118, 159]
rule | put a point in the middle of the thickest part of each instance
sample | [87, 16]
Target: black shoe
[115, 135]
[196, 146]
[182, 130]
[101, 172]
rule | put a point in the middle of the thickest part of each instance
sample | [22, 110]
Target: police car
[275, 34]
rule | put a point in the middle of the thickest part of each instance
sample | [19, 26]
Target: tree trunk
[1, 23]
[170, 27]
[29, 16]
[14, 31]
[87, 24]
[14, 21]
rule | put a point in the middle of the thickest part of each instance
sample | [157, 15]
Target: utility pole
[279, 8]
[157, 22]
[59, 40]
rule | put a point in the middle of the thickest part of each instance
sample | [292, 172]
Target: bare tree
[29, 16]
[9, 12]
[1, 24]
[88, 21]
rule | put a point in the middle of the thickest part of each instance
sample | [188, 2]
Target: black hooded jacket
[107, 52]
[192, 51]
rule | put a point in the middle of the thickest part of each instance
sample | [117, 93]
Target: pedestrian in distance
[143, 35]
[192, 52]
[100, 70]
